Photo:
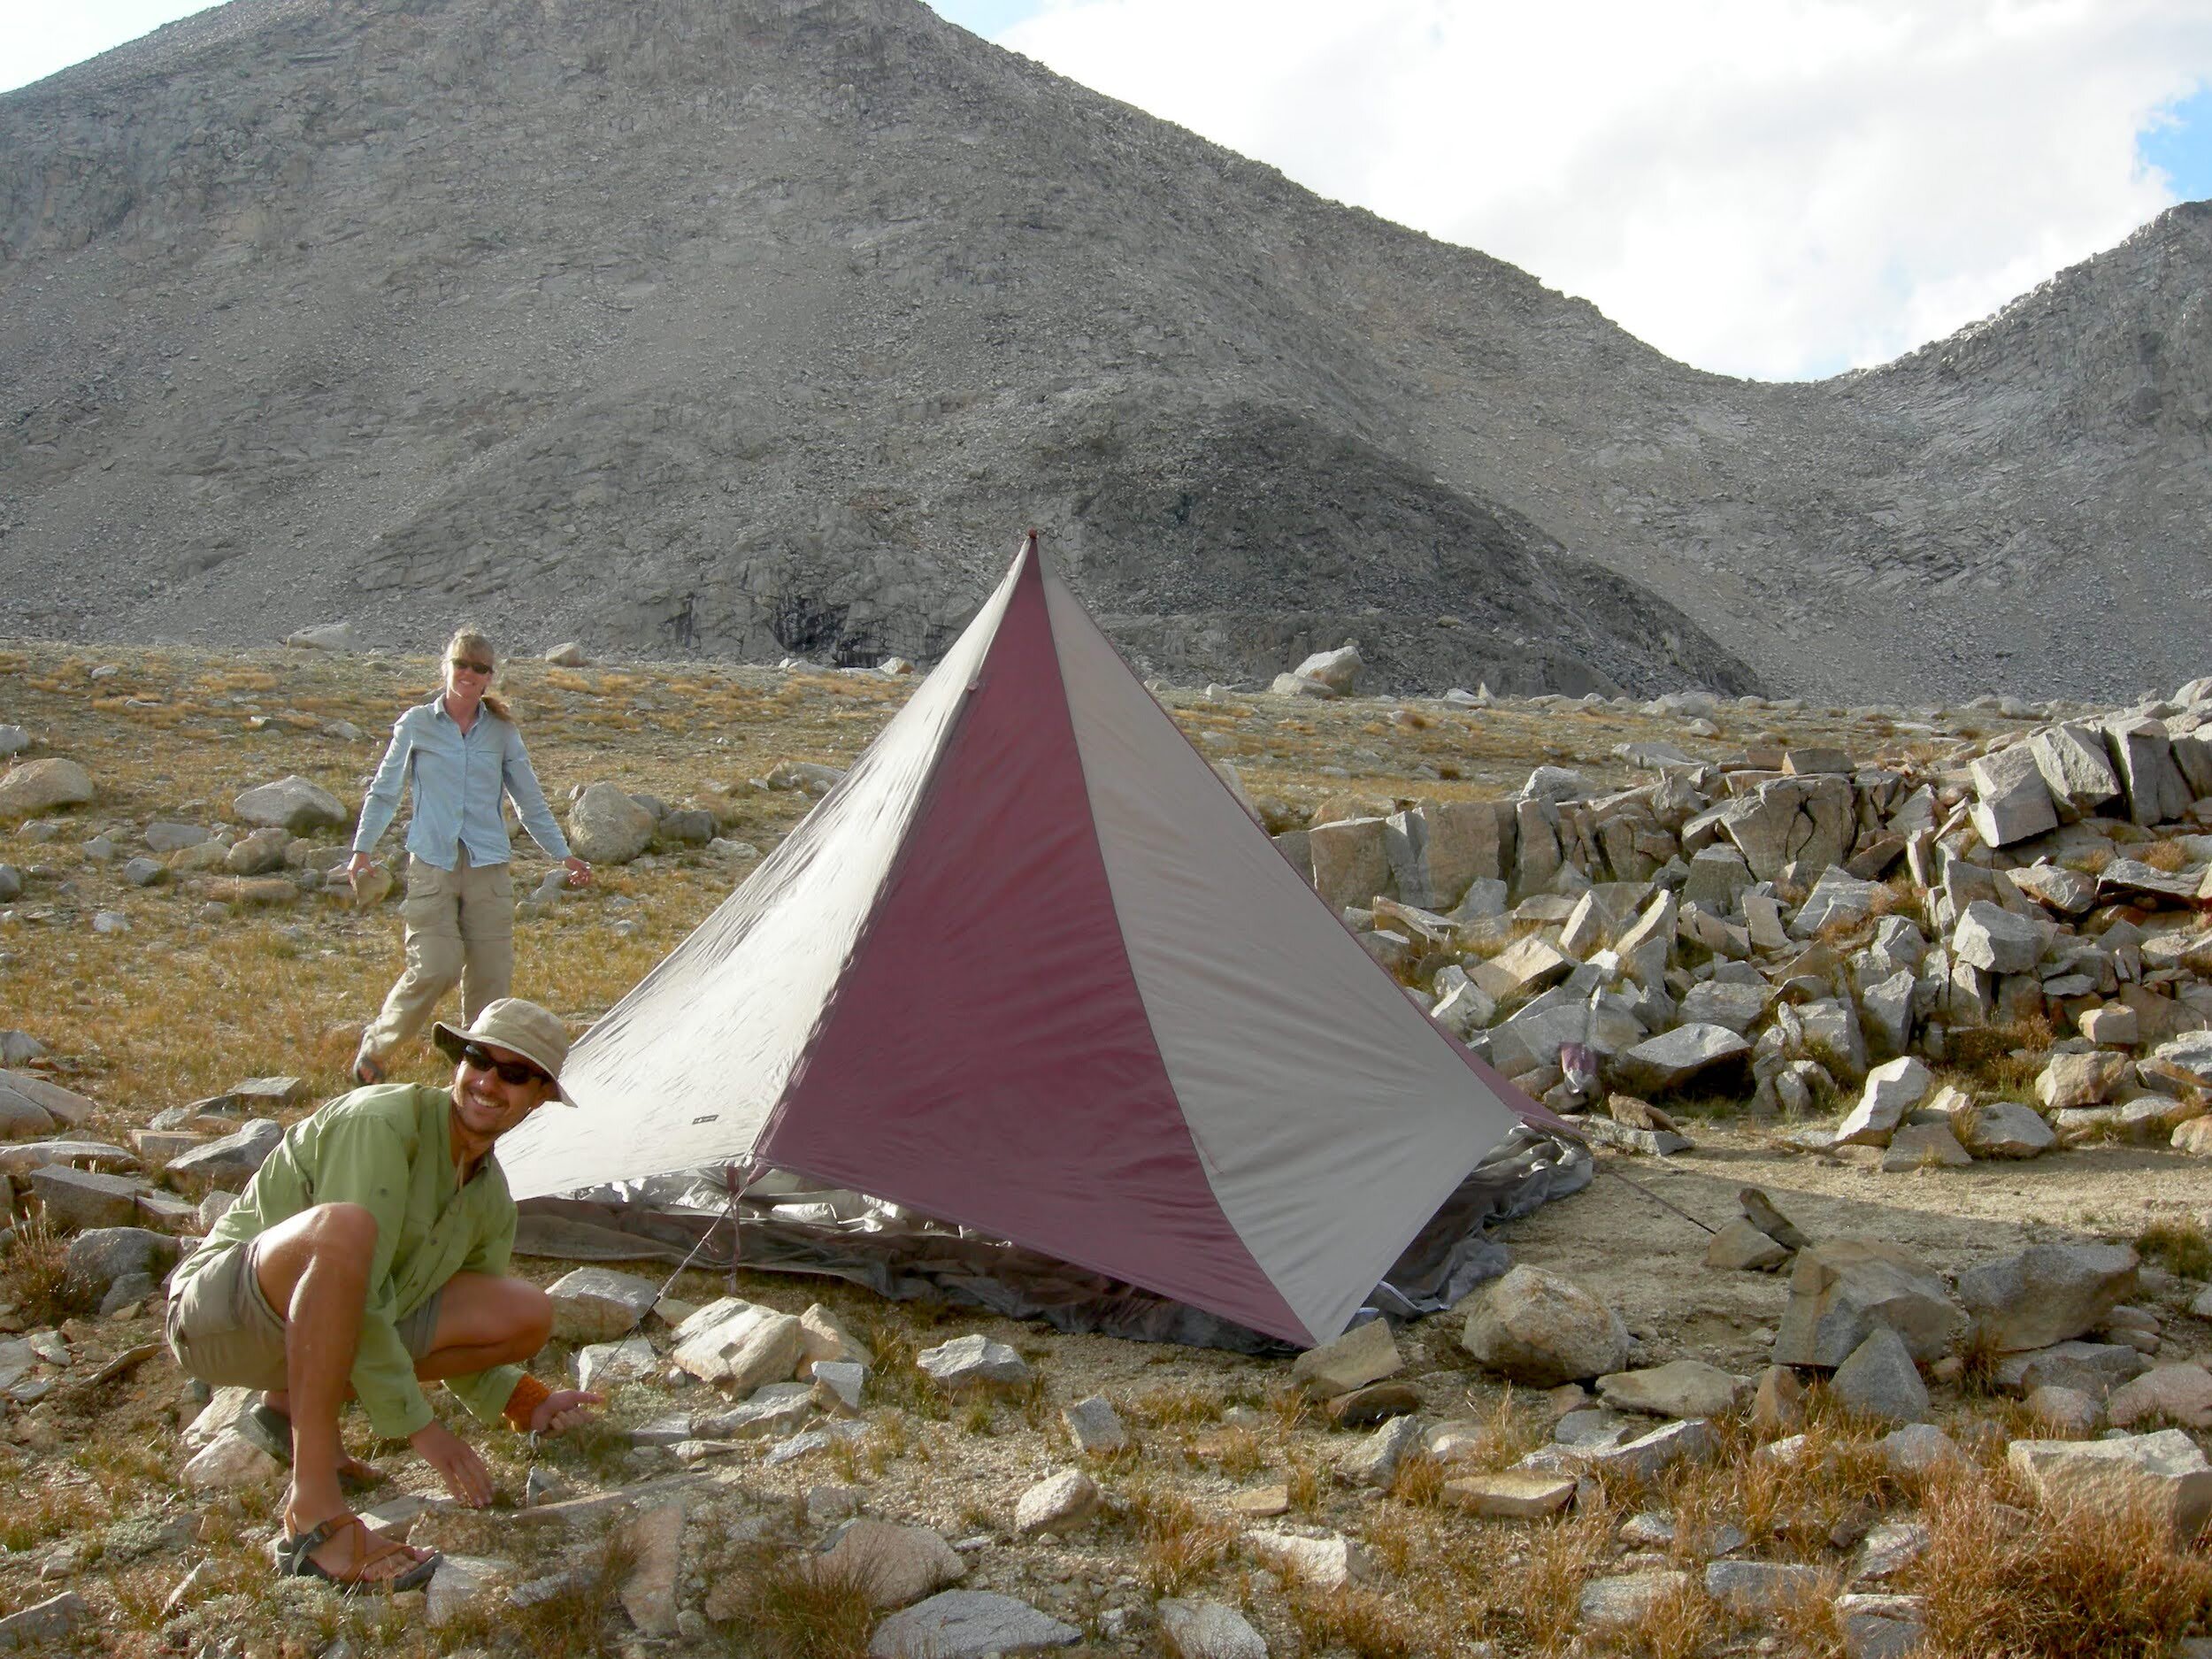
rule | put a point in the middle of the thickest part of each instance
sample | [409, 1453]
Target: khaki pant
[460, 928]
[223, 1331]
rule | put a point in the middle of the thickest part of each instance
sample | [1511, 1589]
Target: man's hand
[563, 1410]
[356, 866]
[579, 872]
[457, 1464]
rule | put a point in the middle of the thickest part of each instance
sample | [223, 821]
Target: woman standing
[463, 754]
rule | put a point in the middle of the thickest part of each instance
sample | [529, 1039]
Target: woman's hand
[357, 867]
[578, 872]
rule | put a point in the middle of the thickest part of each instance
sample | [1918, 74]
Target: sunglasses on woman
[476, 1054]
[473, 667]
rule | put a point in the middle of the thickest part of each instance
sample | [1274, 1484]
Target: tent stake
[1663, 1203]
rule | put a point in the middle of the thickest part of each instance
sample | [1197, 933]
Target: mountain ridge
[746, 328]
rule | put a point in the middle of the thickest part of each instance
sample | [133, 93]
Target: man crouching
[367, 1257]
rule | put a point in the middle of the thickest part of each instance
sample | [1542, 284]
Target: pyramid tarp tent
[1031, 968]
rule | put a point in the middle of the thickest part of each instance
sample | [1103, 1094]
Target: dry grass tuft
[2096, 1580]
[1177, 1545]
[1351, 1620]
[791, 1607]
[1176, 1406]
[2181, 1246]
[2170, 857]
[35, 1273]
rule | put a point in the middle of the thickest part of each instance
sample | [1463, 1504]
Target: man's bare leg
[485, 1321]
[313, 1269]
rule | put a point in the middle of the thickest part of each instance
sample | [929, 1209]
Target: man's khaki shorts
[224, 1331]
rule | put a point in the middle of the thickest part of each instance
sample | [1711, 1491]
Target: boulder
[1998, 940]
[2003, 1129]
[229, 1162]
[738, 1344]
[1513, 1494]
[1094, 1427]
[1366, 1353]
[1681, 1388]
[2080, 1080]
[1299, 686]
[1879, 1380]
[2094, 1369]
[298, 805]
[1538, 1327]
[99, 1258]
[1523, 968]
[1351, 862]
[1839, 899]
[1923, 1147]
[324, 636]
[1676, 1058]
[78, 1200]
[231, 1461]
[2177, 1394]
[1339, 669]
[825, 1339]
[1628, 1601]
[968, 1360]
[1892, 1089]
[1741, 1246]
[40, 785]
[2143, 758]
[1208, 1630]
[1880, 1626]
[1842, 1289]
[1059, 1504]
[630, 1360]
[2057, 889]
[1750, 1588]
[596, 1305]
[1374, 1461]
[2013, 802]
[605, 826]
[2164, 1473]
[568, 653]
[2077, 771]
[47, 1626]
[2045, 1293]
[1650, 1455]
[894, 1564]
[1325, 1563]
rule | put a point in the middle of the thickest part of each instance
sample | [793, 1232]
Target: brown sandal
[296, 1559]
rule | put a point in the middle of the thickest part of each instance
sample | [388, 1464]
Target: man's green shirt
[388, 1150]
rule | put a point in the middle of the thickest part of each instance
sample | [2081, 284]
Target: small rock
[596, 1305]
[1208, 1630]
[968, 1625]
[969, 1360]
[1094, 1427]
[1681, 1388]
[1364, 1353]
[296, 804]
[1538, 1327]
[2164, 1472]
[1065, 1502]
[232, 1461]
[1511, 1494]
[1328, 1562]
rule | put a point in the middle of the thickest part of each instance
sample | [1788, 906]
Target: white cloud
[1774, 188]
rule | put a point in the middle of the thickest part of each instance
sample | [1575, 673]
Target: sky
[1777, 188]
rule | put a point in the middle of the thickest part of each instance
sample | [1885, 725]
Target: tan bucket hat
[518, 1026]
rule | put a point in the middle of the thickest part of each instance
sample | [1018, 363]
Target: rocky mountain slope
[764, 326]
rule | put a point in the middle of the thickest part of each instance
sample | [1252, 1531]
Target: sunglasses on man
[476, 1054]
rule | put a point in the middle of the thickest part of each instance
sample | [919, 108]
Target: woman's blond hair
[468, 638]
